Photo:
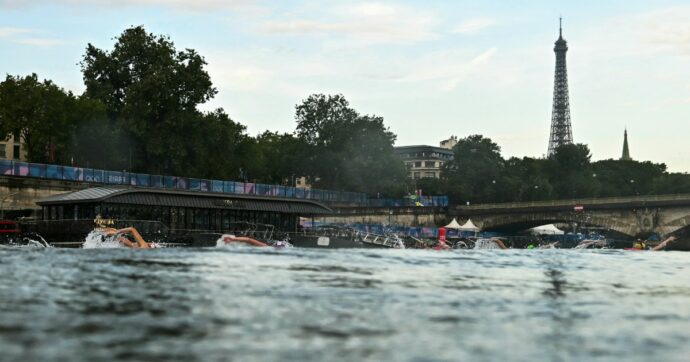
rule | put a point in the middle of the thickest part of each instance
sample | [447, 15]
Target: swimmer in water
[641, 245]
[139, 242]
[232, 239]
[495, 241]
[586, 244]
[441, 245]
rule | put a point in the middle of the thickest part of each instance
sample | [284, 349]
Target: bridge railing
[436, 201]
[104, 177]
[584, 202]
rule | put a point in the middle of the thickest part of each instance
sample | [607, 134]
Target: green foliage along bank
[140, 113]
[478, 174]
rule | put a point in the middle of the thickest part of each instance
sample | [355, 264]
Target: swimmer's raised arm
[664, 243]
[499, 242]
[140, 242]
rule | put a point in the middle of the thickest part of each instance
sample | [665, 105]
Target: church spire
[626, 150]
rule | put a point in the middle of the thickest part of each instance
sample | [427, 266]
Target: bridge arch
[519, 222]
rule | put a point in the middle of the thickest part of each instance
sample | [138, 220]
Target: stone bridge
[632, 216]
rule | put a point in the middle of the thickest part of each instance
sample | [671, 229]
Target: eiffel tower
[561, 131]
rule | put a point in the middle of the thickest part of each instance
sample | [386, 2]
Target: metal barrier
[435, 201]
[89, 175]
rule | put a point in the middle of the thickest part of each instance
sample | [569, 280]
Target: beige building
[301, 183]
[12, 148]
[426, 161]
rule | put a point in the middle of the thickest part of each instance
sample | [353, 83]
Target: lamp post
[634, 187]
[2, 203]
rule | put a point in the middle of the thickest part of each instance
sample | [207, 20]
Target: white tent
[453, 225]
[469, 226]
[549, 229]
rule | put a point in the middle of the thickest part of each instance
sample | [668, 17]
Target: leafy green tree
[96, 142]
[473, 173]
[213, 147]
[672, 183]
[348, 151]
[151, 91]
[41, 113]
[275, 158]
[628, 177]
[571, 172]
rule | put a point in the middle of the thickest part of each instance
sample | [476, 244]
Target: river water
[247, 304]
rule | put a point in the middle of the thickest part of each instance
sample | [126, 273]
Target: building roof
[178, 198]
[404, 149]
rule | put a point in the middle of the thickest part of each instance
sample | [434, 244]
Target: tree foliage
[346, 150]
[151, 92]
[41, 113]
[478, 174]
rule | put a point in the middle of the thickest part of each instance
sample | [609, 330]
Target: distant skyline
[432, 69]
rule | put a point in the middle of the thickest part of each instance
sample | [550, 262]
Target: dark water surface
[319, 305]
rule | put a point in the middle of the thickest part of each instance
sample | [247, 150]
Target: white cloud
[448, 69]
[366, 23]
[667, 30]
[473, 26]
[196, 5]
[27, 37]
[42, 42]
[8, 32]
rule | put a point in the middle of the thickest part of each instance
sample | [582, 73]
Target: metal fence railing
[428, 201]
[103, 177]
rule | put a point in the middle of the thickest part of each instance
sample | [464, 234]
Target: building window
[3, 154]
[16, 152]
[408, 164]
[418, 164]
[416, 175]
[430, 174]
[430, 164]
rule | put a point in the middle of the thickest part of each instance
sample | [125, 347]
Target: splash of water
[96, 239]
[485, 244]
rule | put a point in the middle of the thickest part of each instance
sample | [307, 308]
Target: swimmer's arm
[663, 244]
[141, 243]
[127, 243]
[247, 240]
[500, 244]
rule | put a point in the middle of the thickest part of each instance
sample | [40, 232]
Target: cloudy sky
[431, 68]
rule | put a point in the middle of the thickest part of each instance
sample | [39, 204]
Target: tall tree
[41, 113]
[276, 158]
[473, 173]
[151, 90]
[348, 151]
[571, 173]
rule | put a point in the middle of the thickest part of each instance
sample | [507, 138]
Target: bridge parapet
[589, 203]
[634, 215]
